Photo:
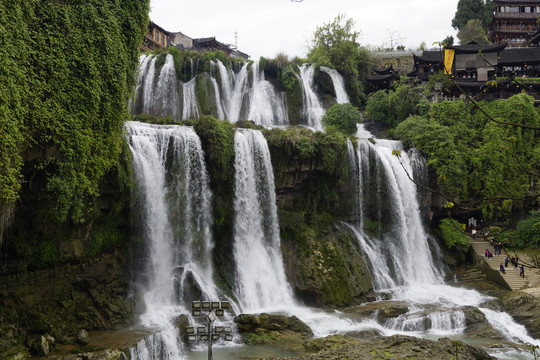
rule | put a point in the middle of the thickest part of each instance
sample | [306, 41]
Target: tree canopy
[473, 9]
[481, 163]
[344, 117]
[473, 31]
[393, 106]
[335, 45]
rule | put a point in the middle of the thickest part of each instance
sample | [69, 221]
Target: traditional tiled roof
[429, 56]
[205, 40]
[520, 56]
[378, 78]
[385, 71]
[154, 25]
[516, 2]
[474, 48]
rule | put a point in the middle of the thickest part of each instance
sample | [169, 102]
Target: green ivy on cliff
[68, 69]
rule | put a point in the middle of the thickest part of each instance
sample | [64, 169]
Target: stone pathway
[511, 276]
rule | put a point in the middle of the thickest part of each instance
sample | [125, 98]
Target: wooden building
[382, 78]
[156, 37]
[475, 67]
[428, 63]
[211, 44]
[514, 22]
[182, 41]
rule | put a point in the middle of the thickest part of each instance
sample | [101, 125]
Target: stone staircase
[511, 277]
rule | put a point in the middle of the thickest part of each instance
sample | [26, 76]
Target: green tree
[473, 31]
[449, 40]
[473, 9]
[335, 45]
[480, 163]
[394, 106]
[451, 233]
[343, 117]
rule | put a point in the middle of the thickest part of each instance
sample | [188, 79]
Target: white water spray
[191, 107]
[266, 106]
[339, 85]
[312, 110]
[175, 199]
[260, 283]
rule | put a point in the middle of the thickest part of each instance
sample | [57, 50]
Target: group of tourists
[499, 249]
[502, 267]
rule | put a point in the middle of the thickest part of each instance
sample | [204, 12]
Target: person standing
[506, 262]
[522, 271]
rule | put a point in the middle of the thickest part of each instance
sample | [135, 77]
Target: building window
[156, 36]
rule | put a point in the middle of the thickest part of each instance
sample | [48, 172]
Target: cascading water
[191, 108]
[137, 103]
[260, 280]
[157, 96]
[402, 252]
[312, 109]
[148, 86]
[227, 84]
[339, 85]
[173, 193]
[266, 106]
[166, 93]
[238, 94]
[221, 113]
[399, 252]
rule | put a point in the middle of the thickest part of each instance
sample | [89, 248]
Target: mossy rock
[324, 265]
[206, 96]
[272, 329]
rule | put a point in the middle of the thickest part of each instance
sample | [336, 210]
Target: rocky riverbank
[45, 309]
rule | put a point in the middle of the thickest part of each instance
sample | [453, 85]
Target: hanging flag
[448, 60]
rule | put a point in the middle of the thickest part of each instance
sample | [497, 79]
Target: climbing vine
[67, 72]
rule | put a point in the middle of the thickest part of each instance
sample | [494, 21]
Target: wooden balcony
[514, 16]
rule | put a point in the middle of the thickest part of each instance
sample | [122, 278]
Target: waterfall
[312, 110]
[136, 103]
[226, 86]
[191, 108]
[437, 322]
[339, 85]
[266, 106]
[260, 278]
[219, 105]
[173, 195]
[401, 252]
[238, 93]
[166, 93]
[158, 96]
[148, 87]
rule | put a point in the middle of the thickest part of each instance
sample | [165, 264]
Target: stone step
[511, 276]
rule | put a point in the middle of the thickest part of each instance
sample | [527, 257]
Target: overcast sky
[267, 27]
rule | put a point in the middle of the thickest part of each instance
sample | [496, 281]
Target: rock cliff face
[324, 266]
[57, 303]
[323, 261]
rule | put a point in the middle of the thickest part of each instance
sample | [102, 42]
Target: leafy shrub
[528, 231]
[451, 234]
[343, 117]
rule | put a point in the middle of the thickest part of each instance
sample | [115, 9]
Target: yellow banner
[448, 60]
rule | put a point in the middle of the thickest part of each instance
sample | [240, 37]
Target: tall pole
[211, 318]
